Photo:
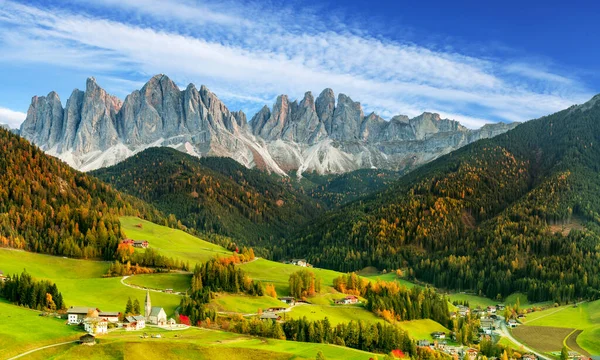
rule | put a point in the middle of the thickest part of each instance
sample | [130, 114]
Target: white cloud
[11, 118]
[249, 54]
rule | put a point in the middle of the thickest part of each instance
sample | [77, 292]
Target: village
[96, 322]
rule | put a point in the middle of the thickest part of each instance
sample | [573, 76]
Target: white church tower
[148, 305]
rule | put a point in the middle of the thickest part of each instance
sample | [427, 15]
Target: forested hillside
[214, 194]
[519, 212]
[336, 190]
[46, 206]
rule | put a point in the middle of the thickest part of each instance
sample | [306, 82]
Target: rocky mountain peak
[96, 129]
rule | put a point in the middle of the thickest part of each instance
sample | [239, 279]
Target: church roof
[156, 310]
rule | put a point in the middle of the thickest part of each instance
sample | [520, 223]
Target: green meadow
[176, 281]
[242, 303]
[23, 329]
[200, 344]
[81, 282]
[336, 314]
[171, 242]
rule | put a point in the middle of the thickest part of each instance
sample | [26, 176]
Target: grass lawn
[201, 344]
[422, 329]
[335, 313]
[81, 282]
[474, 300]
[23, 329]
[245, 304]
[584, 317]
[175, 281]
[170, 242]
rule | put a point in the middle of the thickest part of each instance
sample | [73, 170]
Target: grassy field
[474, 300]
[584, 317]
[22, 330]
[175, 281]
[199, 344]
[335, 313]
[244, 304]
[170, 242]
[422, 329]
[81, 282]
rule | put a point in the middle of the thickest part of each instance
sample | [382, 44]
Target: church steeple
[147, 305]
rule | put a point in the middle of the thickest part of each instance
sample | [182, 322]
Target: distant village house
[288, 300]
[137, 322]
[95, 325]
[348, 300]
[76, 314]
[299, 262]
[141, 244]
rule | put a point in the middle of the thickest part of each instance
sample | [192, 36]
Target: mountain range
[96, 129]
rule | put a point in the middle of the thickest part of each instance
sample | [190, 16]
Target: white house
[135, 322]
[76, 314]
[95, 325]
[299, 262]
[112, 317]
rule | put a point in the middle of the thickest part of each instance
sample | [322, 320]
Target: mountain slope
[46, 206]
[96, 130]
[488, 217]
[214, 194]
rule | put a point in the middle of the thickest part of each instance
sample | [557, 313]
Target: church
[154, 315]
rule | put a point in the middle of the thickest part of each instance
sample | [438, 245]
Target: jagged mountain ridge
[96, 129]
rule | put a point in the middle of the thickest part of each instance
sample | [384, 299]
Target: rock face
[96, 130]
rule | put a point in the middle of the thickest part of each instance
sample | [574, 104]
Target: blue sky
[472, 61]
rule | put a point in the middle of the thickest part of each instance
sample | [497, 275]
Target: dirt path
[572, 343]
[42, 348]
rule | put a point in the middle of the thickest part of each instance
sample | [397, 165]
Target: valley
[82, 283]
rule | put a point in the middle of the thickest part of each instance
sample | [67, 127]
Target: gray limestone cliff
[95, 129]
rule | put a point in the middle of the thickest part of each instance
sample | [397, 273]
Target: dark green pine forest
[46, 206]
[518, 212]
[215, 195]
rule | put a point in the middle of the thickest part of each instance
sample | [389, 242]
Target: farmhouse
[529, 357]
[487, 325]
[423, 343]
[128, 242]
[288, 300]
[512, 323]
[500, 307]
[276, 309]
[438, 335]
[134, 323]
[270, 316]
[299, 262]
[491, 309]
[2, 277]
[463, 310]
[111, 317]
[76, 314]
[87, 339]
[171, 322]
[350, 299]
[95, 325]
[141, 244]
[471, 354]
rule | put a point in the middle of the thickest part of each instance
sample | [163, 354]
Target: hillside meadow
[199, 344]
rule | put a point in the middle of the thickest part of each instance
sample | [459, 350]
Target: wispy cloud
[11, 118]
[248, 53]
